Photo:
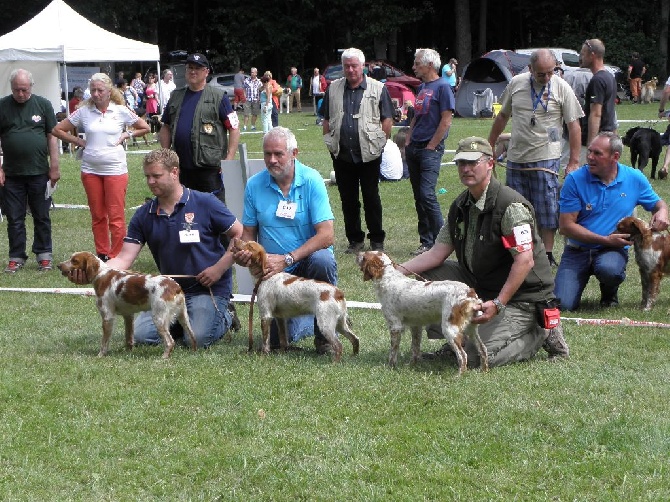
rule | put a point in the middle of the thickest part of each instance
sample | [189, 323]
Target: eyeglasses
[586, 43]
[461, 164]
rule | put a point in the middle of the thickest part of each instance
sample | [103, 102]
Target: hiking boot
[444, 353]
[44, 266]
[376, 246]
[609, 302]
[13, 266]
[555, 344]
[355, 247]
[420, 250]
[322, 345]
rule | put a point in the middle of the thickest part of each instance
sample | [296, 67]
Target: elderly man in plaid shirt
[252, 106]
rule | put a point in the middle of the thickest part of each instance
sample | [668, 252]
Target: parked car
[223, 81]
[386, 71]
[569, 58]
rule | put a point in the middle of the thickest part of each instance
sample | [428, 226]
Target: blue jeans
[424, 169]
[18, 191]
[320, 265]
[577, 265]
[209, 323]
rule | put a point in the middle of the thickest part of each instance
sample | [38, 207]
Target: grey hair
[352, 52]
[616, 145]
[429, 57]
[541, 53]
[283, 133]
[20, 71]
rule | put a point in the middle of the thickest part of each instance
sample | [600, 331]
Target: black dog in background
[644, 144]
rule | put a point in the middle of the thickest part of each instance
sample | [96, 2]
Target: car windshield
[334, 72]
[570, 59]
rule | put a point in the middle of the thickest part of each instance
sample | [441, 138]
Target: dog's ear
[88, 263]
[372, 267]
[639, 226]
[258, 254]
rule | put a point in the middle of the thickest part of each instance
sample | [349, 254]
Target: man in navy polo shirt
[433, 112]
[182, 228]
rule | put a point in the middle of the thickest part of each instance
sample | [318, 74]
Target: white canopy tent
[59, 35]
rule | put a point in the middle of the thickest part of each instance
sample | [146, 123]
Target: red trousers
[107, 202]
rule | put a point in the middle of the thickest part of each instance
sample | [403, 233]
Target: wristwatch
[500, 307]
[288, 259]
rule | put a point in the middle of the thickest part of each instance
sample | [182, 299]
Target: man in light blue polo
[287, 210]
[593, 200]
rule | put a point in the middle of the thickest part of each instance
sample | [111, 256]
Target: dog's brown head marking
[635, 227]
[258, 254]
[87, 262]
[371, 264]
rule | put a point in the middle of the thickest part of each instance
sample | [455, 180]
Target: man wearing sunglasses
[600, 96]
[539, 102]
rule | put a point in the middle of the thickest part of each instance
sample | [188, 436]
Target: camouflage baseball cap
[472, 148]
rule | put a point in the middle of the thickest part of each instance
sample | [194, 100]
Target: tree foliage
[276, 34]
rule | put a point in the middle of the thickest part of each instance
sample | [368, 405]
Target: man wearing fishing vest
[201, 126]
[358, 118]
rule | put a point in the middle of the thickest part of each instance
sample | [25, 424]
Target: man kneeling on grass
[500, 254]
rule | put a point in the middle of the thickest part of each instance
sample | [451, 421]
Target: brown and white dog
[410, 303]
[126, 293]
[648, 89]
[652, 254]
[283, 296]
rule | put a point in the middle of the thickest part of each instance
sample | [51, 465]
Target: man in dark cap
[201, 126]
[500, 254]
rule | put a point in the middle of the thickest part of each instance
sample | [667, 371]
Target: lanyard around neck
[536, 98]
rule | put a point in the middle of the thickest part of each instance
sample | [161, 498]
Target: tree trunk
[663, 38]
[463, 32]
[483, 11]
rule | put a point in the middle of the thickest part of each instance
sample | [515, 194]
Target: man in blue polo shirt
[182, 228]
[287, 210]
[433, 112]
[593, 200]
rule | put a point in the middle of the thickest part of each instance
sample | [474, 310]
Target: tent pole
[160, 87]
[67, 101]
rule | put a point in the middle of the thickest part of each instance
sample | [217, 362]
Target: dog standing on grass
[652, 255]
[284, 295]
[407, 303]
[648, 90]
[285, 100]
[127, 293]
[644, 144]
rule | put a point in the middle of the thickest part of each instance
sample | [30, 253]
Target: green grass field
[222, 424]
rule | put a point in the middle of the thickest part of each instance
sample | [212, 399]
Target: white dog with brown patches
[283, 296]
[410, 303]
[126, 293]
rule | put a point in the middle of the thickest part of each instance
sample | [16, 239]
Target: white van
[568, 58]
[564, 57]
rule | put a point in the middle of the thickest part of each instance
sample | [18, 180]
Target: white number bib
[286, 209]
[189, 236]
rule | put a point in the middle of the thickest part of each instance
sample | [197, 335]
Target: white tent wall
[59, 35]
[45, 73]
